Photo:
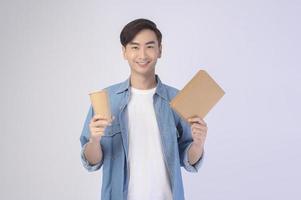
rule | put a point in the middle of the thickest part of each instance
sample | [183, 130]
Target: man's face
[142, 53]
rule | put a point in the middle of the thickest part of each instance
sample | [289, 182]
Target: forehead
[145, 36]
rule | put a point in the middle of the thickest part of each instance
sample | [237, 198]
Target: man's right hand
[97, 127]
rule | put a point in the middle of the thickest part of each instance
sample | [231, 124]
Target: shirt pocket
[111, 142]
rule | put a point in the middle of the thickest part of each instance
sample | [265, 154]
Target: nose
[142, 53]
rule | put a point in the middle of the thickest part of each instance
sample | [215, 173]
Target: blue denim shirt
[175, 137]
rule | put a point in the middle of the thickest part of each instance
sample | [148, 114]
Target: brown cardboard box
[101, 104]
[197, 97]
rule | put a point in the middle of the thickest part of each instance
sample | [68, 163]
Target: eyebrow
[136, 43]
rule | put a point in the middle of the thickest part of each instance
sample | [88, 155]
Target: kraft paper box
[101, 104]
[198, 96]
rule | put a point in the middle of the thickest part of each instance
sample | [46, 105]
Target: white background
[53, 53]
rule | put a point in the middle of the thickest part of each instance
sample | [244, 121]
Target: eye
[134, 48]
[150, 47]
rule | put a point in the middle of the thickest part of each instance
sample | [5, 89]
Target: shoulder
[170, 90]
[113, 89]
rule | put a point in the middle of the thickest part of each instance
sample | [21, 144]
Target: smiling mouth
[143, 64]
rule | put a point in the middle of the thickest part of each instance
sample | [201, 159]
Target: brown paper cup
[100, 103]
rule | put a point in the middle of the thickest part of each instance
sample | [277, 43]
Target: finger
[198, 136]
[197, 120]
[97, 134]
[97, 129]
[198, 131]
[101, 123]
[97, 117]
[200, 128]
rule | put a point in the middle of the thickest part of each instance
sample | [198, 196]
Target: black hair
[130, 30]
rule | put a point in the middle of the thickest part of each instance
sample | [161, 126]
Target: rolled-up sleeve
[185, 141]
[86, 163]
[195, 167]
[84, 138]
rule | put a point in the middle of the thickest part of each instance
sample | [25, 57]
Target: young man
[143, 147]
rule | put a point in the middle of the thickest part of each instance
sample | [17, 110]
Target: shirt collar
[160, 90]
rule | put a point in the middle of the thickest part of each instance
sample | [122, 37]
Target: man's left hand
[198, 130]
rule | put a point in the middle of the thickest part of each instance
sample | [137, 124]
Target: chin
[143, 72]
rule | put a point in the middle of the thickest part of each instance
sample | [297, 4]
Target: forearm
[195, 152]
[93, 152]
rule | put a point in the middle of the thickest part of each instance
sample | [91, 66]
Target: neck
[143, 82]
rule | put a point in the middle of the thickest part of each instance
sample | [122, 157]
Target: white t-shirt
[148, 174]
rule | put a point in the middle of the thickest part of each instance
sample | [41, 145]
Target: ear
[123, 53]
[160, 51]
